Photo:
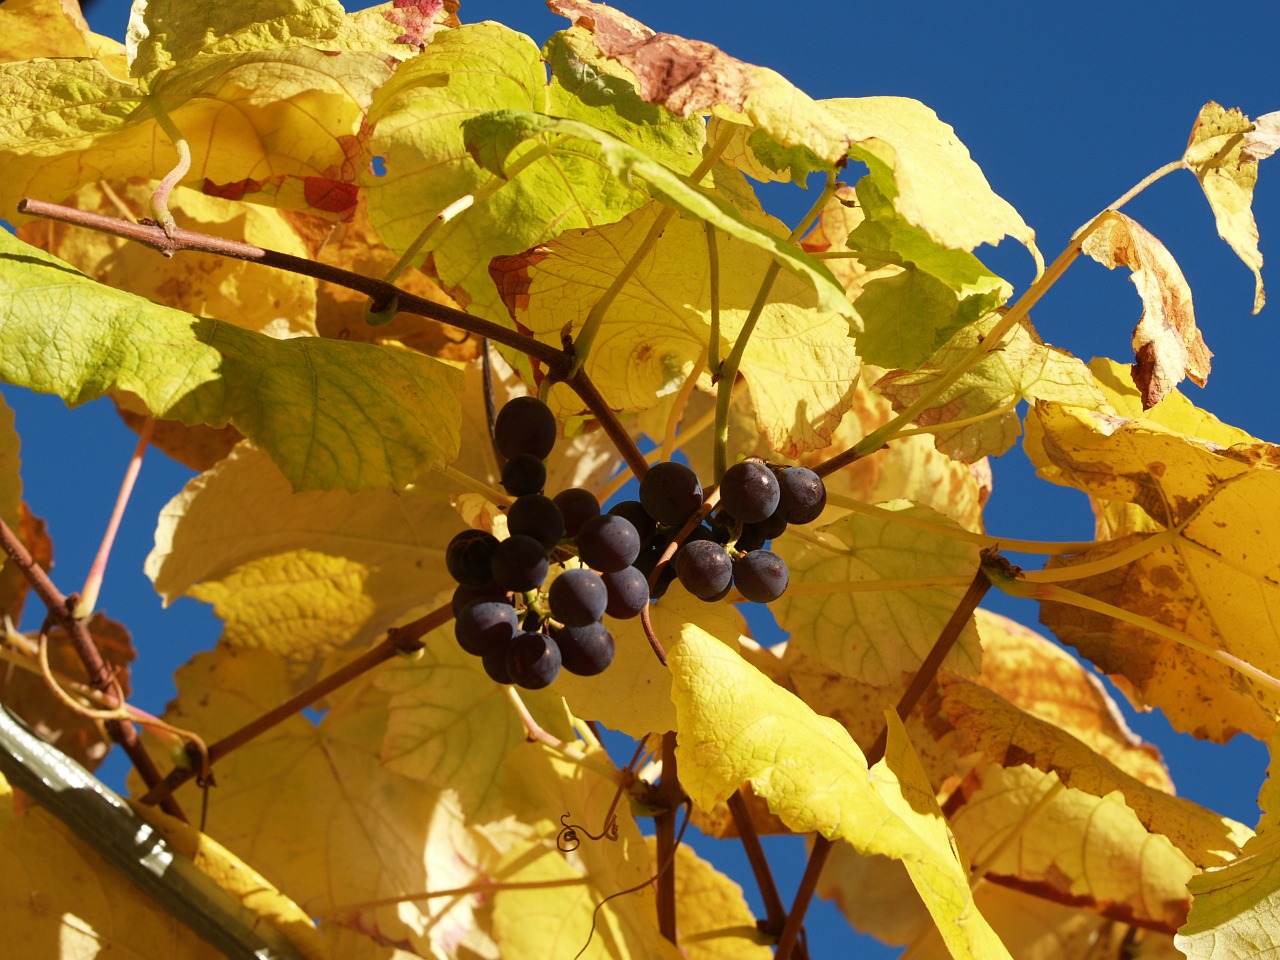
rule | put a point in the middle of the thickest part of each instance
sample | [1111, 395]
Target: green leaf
[493, 137]
[737, 725]
[330, 413]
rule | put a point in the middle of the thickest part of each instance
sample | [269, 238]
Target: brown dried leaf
[1167, 345]
[34, 534]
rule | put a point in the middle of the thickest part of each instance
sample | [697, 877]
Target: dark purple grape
[749, 491]
[520, 563]
[577, 505]
[486, 627]
[525, 425]
[464, 596]
[628, 593]
[608, 543]
[495, 665]
[524, 474]
[802, 495]
[534, 515]
[634, 511]
[670, 492]
[586, 650]
[578, 597]
[533, 660]
[761, 576]
[704, 568]
[468, 558]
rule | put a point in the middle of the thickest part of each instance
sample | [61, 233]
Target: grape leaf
[1208, 571]
[45, 28]
[1223, 152]
[1167, 345]
[491, 138]
[984, 398]
[799, 360]
[876, 635]
[737, 724]
[1146, 876]
[299, 572]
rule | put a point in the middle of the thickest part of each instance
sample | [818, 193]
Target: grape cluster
[525, 631]
[502, 614]
[758, 501]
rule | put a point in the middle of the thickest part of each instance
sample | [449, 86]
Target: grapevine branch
[775, 912]
[101, 677]
[400, 640]
[671, 796]
[559, 363]
[822, 847]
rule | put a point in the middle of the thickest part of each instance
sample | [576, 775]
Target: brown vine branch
[400, 640]
[101, 677]
[775, 912]
[670, 796]
[559, 363]
[920, 683]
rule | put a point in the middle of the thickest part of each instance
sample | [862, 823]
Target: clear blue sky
[1063, 106]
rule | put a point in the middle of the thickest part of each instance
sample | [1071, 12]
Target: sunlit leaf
[1223, 153]
[870, 634]
[1207, 572]
[1167, 345]
[713, 921]
[983, 399]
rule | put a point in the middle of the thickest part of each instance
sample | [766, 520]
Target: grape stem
[101, 676]
[400, 640]
[924, 677]
[93, 582]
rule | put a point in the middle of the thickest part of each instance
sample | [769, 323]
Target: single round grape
[801, 495]
[486, 626]
[465, 596]
[468, 558]
[628, 592]
[704, 568]
[578, 597]
[761, 576]
[670, 492]
[634, 511]
[525, 425]
[533, 660]
[608, 543]
[524, 474]
[520, 563]
[495, 665]
[586, 650]
[749, 491]
[577, 505]
[536, 516]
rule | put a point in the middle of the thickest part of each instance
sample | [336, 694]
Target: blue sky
[1063, 106]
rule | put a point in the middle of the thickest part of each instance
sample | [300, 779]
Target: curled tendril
[567, 840]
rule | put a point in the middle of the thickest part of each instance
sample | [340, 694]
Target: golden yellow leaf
[984, 399]
[1023, 827]
[838, 616]
[736, 724]
[1208, 572]
[1167, 345]
[800, 362]
[248, 295]
[1223, 152]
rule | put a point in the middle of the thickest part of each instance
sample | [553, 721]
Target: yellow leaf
[450, 726]
[737, 725]
[1203, 573]
[838, 616]
[800, 362]
[1167, 345]
[49, 28]
[1023, 827]
[1223, 153]
[985, 397]
[314, 809]
[300, 573]
[249, 295]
